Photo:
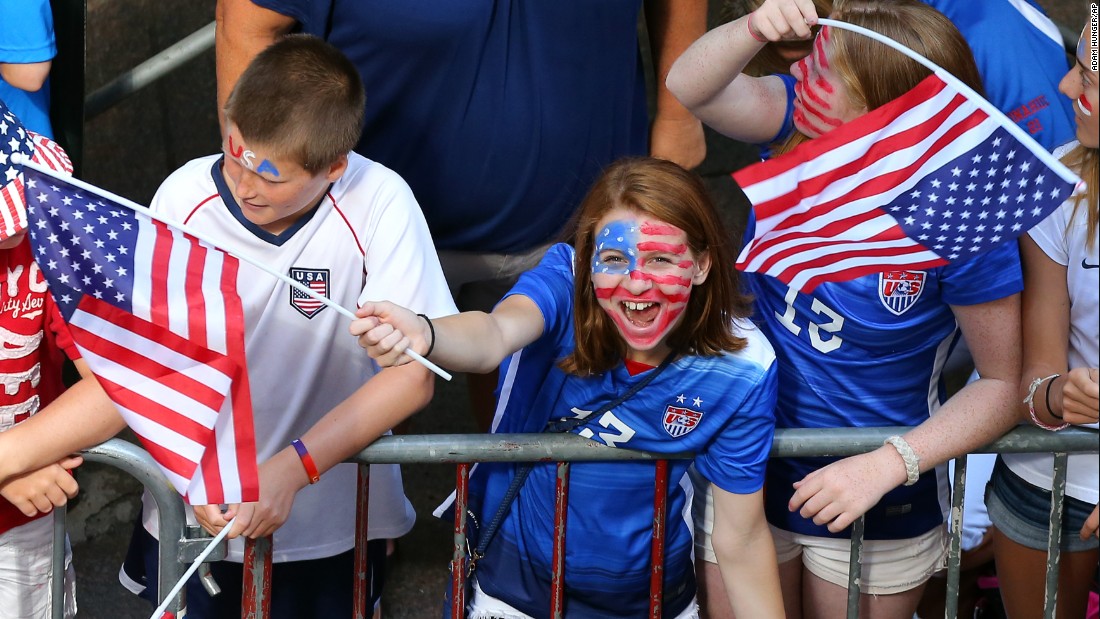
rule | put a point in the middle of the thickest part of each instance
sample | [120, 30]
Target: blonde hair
[665, 191]
[1086, 162]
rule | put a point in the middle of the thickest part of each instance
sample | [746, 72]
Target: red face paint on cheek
[1086, 107]
[819, 51]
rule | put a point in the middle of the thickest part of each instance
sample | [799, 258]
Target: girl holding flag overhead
[647, 293]
[869, 351]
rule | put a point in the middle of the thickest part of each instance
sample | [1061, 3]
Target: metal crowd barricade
[465, 449]
[179, 545]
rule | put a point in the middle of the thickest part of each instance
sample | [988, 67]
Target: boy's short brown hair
[302, 99]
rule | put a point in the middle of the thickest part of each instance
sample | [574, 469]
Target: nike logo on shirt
[1086, 265]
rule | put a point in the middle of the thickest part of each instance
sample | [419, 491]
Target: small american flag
[924, 180]
[16, 140]
[156, 315]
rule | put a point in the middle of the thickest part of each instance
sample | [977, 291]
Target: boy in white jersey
[288, 191]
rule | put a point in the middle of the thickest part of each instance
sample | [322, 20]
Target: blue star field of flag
[989, 195]
[84, 244]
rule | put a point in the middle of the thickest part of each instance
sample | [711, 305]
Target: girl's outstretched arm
[466, 342]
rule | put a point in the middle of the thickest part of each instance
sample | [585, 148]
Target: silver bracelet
[908, 456]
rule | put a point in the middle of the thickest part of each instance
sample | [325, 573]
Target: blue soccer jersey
[870, 352]
[720, 408]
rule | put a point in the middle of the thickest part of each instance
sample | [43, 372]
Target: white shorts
[485, 606]
[26, 557]
[889, 566]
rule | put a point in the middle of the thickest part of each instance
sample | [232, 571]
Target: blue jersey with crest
[720, 408]
[870, 352]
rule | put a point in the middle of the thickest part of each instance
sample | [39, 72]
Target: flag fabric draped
[156, 315]
[922, 181]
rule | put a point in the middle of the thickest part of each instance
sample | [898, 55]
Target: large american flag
[927, 179]
[156, 315]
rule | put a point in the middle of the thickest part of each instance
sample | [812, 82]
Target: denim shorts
[1021, 511]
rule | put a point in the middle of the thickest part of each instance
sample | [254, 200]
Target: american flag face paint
[642, 274]
[821, 101]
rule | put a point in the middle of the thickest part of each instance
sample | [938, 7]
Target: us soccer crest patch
[678, 420]
[317, 281]
[899, 290]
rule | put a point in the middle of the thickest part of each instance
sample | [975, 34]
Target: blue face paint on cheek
[622, 237]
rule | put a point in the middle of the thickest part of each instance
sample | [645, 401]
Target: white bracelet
[1030, 401]
[908, 456]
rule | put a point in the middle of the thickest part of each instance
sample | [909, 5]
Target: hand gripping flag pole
[284, 278]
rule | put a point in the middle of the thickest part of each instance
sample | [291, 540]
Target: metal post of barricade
[459, 558]
[657, 537]
[855, 567]
[360, 591]
[256, 589]
[172, 524]
[954, 550]
[1054, 533]
[557, 562]
[57, 582]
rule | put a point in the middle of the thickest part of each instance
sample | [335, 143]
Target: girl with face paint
[648, 279]
[1061, 331]
[869, 352]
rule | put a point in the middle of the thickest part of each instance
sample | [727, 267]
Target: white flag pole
[1043, 154]
[284, 278]
[191, 570]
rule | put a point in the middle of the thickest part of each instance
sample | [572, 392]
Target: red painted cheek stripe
[686, 264]
[604, 293]
[819, 48]
[668, 248]
[808, 92]
[800, 118]
[662, 280]
[808, 99]
[824, 85]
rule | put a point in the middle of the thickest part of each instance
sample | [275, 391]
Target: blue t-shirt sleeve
[27, 32]
[550, 286]
[993, 275]
[787, 127]
[735, 461]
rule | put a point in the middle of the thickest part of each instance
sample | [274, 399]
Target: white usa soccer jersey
[366, 240]
[870, 352]
[717, 407]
